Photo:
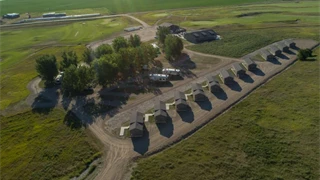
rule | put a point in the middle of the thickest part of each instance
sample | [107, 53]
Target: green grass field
[114, 6]
[41, 146]
[20, 48]
[272, 134]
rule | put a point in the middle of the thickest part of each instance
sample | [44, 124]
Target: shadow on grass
[187, 116]
[205, 105]
[166, 129]
[46, 100]
[246, 78]
[141, 144]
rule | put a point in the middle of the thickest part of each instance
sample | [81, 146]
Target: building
[266, 55]
[180, 101]
[171, 71]
[174, 29]
[213, 84]
[136, 124]
[249, 64]
[159, 77]
[226, 77]
[283, 47]
[198, 93]
[289, 43]
[201, 36]
[238, 70]
[11, 15]
[160, 112]
[274, 50]
[130, 29]
[53, 14]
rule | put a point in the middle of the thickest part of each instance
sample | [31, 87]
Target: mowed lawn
[37, 145]
[114, 6]
[272, 134]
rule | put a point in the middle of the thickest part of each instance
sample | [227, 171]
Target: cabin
[290, 43]
[201, 36]
[180, 101]
[238, 70]
[266, 55]
[136, 124]
[249, 64]
[160, 112]
[226, 77]
[274, 50]
[283, 47]
[174, 29]
[213, 84]
[198, 93]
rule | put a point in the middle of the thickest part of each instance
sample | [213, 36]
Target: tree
[162, 33]
[134, 41]
[88, 56]
[47, 67]
[126, 59]
[105, 69]
[173, 47]
[75, 79]
[102, 50]
[304, 54]
[68, 59]
[118, 43]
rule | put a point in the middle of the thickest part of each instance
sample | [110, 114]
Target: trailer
[158, 77]
[171, 71]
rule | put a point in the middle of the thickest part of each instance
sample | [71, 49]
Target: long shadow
[166, 129]
[46, 100]
[282, 56]
[258, 72]
[246, 78]
[275, 61]
[222, 95]
[290, 52]
[141, 144]
[187, 116]
[295, 48]
[72, 121]
[205, 105]
[176, 78]
[235, 86]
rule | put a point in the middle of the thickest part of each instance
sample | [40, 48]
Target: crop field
[19, 49]
[114, 6]
[272, 134]
[40, 145]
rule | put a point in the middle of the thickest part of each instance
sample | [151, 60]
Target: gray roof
[211, 79]
[248, 61]
[204, 34]
[159, 105]
[237, 67]
[196, 86]
[264, 53]
[136, 126]
[273, 49]
[281, 45]
[224, 73]
[181, 101]
[161, 113]
[214, 83]
[198, 91]
[137, 117]
[179, 95]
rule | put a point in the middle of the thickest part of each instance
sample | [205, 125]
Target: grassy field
[19, 49]
[272, 134]
[35, 145]
[114, 6]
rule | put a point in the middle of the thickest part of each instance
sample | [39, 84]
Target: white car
[59, 77]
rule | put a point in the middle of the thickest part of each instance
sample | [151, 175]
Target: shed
[289, 43]
[283, 47]
[226, 77]
[137, 117]
[181, 105]
[238, 70]
[160, 112]
[249, 64]
[179, 95]
[136, 130]
[266, 55]
[214, 86]
[174, 29]
[198, 93]
[274, 50]
[201, 36]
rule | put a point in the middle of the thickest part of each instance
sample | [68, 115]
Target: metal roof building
[226, 77]
[266, 55]
[249, 64]
[213, 84]
[174, 29]
[136, 124]
[238, 69]
[180, 101]
[289, 43]
[201, 36]
[274, 50]
[198, 93]
[160, 112]
[283, 47]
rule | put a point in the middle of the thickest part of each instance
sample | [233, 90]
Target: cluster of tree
[304, 54]
[172, 45]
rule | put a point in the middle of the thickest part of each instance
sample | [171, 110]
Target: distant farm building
[266, 55]
[11, 15]
[198, 93]
[174, 29]
[290, 43]
[226, 77]
[53, 14]
[274, 50]
[249, 64]
[130, 29]
[283, 47]
[160, 112]
[136, 124]
[238, 70]
[213, 84]
[171, 71]
[180, 101]
[201, 36]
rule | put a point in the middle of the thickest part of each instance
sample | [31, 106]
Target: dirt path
[211, 55]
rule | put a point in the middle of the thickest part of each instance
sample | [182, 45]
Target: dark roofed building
[274, 50]
[174, 29]
[160, 112]
[266, 55]
[180, 101]
[136, 124]
[249, 64]
[201, 36]
[198, 93]
[289, 43]
[213, 84]
[179, 95]
[226, 77]
[283, 47]
[238, 69]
